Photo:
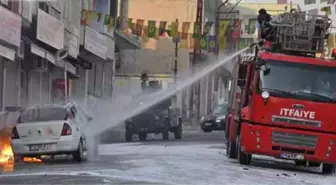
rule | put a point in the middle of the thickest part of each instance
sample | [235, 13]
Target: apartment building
[47, 56]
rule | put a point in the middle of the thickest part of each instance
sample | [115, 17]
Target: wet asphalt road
[198, 159]
[57, 171]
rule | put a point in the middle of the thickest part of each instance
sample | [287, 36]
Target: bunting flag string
[184, 32]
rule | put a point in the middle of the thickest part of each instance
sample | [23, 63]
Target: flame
[6, 152]
[31, 160]
[7, 155]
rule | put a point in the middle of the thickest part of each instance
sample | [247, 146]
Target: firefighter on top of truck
[262, 23]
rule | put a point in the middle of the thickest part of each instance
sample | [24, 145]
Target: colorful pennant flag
[212, 42]
[129, 23]
[204, 42]
[110, 24]
[162, 27]
[106, 19]
[197, 29]
[151, 29]
[236, 31]
[174, 30]
[90, 17]
[327, 10]
[118, 24]
[185, 30]
[139, 27]
[84, 16]
[207, 28]
[222, 34]
[99, 17]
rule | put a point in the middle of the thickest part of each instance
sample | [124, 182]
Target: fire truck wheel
[142, 136]
[231, 151]
[300, 163]
[314, 164]
[242, 157]
[328, 168]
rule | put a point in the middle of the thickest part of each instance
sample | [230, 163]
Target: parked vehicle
[216, 119]
[161, 118]
[50, 130]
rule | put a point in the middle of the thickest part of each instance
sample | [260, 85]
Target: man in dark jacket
[262, 24]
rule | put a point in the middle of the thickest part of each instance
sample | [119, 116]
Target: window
[282, 2]
[44, 6]
[310, 2]
[323, 1]
[14, 6]
[302, 81]
[43, 114]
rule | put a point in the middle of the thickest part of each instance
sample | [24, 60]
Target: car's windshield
[43, 114]
[303, 81]
[220, 109]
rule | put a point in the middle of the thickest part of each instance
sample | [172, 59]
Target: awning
[7, 53]
[123, 42]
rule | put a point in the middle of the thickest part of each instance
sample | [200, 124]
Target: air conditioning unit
[40, 64]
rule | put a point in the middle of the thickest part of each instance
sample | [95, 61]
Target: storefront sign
[10, 27]
[95, 42]
[7, 53]
[50, 30]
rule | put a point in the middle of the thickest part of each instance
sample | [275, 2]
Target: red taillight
[15, 134]
[66, 130]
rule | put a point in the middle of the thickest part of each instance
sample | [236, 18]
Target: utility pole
[176, 55]
[197, 51]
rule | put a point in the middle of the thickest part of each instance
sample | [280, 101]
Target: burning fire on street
[7, 155]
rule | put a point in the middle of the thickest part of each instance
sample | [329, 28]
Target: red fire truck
[282, 99]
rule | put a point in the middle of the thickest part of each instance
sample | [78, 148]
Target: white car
[50, 130]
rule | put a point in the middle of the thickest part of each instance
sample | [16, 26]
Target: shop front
[10, 41]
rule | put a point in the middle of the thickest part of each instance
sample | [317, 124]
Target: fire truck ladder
[300, 33]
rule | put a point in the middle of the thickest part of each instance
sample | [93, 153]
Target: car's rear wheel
[165, 132]
[142, 136]
[78, 154]
[178, 132]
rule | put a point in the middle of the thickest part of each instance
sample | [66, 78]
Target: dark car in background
[216, 119]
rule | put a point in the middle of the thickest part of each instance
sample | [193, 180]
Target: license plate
[208, 124]
[292, 156]
[41, 147]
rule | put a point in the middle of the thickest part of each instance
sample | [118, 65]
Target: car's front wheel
[207, 130]
[128, 135]
[78, 155]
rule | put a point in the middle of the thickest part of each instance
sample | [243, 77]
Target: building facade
[47, 56]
